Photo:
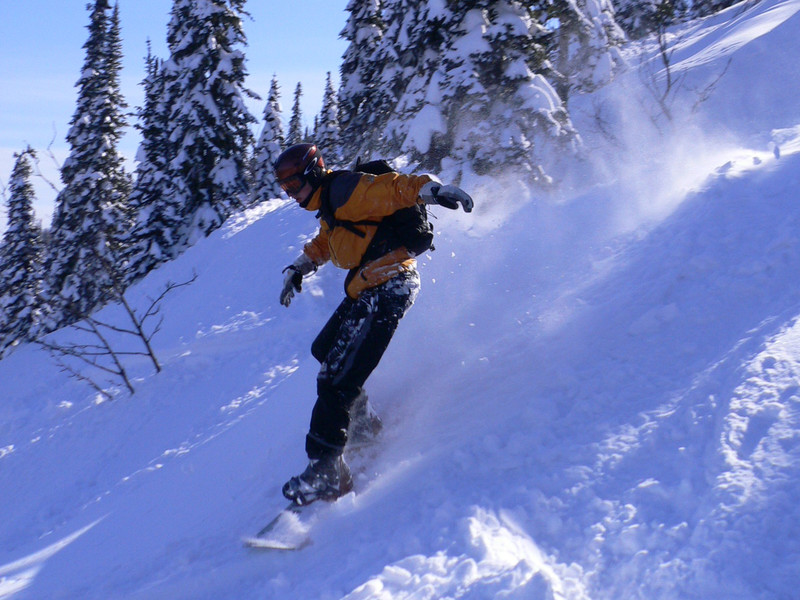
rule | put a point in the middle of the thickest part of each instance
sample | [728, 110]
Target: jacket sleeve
[376, 196]
[318, 249]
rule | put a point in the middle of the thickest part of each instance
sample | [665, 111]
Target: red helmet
[298, 165]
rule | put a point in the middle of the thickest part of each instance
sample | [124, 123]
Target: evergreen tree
[210, 135]
[638, 18]
[359, 72]
[295, 134]
[118, 217]
[419, 45]
[471, 81]
[269, 146]
[585, 44]
[91, 208]
[20, 259]
[389, 76]
[487, 102]
[326, 128]
[157, 216]
[703, 8]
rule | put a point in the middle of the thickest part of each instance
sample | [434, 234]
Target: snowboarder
[381, 286]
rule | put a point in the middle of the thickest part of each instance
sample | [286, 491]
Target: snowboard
[289, 530]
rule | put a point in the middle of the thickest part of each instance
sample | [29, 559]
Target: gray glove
[448, 196]
[293, 281]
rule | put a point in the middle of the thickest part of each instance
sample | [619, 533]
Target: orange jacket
[359, 197]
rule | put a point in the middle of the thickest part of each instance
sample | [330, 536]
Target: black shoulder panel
[342, 187]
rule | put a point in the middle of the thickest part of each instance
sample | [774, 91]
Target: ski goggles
[292, 184]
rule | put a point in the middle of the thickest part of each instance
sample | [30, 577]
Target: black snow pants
[349, 347]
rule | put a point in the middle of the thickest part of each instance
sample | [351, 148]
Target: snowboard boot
[365, 424]
[325, 478]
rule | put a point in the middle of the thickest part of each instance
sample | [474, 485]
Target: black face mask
[305, 202]
[314, 178]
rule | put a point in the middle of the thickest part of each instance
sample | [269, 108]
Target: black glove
[448, 196]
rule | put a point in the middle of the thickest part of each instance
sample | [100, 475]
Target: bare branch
[664, 85]
[114, 357]
[602, 124]
[49, 150]
[705, 93]
[170, 286]
[115, 328]
[101, 354]
[37, 171]
[80, 377]
[83, 357]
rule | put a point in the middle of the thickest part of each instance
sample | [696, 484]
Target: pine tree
[639, 18]
[326, 129]
[295, 134]
[703, 8]
[210, 134]
[585, 44]
[359, 72]
[395, 48]
[20, 259]
[636, 17]
[269, 146]
[118, 217]
[419, 45]
[384, 91]
[481, 96]
[471, 81]
[157, 216]
[91, 208]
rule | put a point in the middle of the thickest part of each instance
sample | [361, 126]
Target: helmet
[298, 165]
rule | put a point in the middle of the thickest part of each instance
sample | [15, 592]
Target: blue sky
[41, 45]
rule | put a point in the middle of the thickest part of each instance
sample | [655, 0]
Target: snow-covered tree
[390, 61]
[483, 100]
[210, 135]
[395, 48]
[703, 8]
[585, 43]
[636, 17]
[157, 216]
[358, 72]
[20, 258]
[91, 208]
[268, 148]
[295, 135]
[470, 81]
[419, 33]
[326, 129]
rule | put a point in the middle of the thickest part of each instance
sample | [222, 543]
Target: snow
[595, 396]
[726, 32]
[425, 124]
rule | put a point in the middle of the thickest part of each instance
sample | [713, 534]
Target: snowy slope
[596, 396]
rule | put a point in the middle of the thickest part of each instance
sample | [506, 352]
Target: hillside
[596, 396]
